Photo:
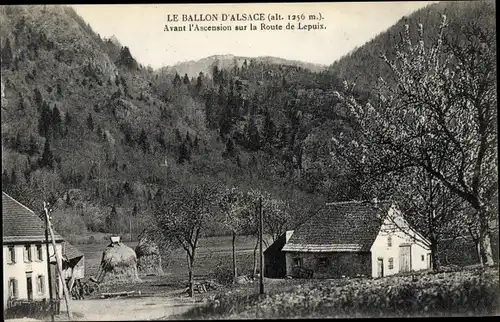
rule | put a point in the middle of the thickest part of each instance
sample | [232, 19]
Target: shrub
[223, 274]
[474, 291]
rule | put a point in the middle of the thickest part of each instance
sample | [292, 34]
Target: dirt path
[138, 308]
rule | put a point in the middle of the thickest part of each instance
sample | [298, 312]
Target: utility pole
[49, 274]
[59, 262]
[261, 275]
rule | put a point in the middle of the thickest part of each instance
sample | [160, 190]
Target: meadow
[213, 253]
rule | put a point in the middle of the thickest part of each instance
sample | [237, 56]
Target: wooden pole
[59, 263]
[49, 274]
[261, 275]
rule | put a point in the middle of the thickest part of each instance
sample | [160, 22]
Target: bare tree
[182, 215]
[440, 117]
[235, 216]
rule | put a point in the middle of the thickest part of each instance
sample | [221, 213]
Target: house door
[380, 267]
[429, 261]
[405, 258]
[29, 284]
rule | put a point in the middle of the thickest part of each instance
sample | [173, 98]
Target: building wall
[19, 269]
[331, 265]
[395, 228]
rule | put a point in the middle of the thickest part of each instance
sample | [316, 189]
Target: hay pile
[148, 257]
[119, 264]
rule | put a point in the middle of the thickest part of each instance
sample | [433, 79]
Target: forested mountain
[194, 67]
[363, 64]
[88, 128]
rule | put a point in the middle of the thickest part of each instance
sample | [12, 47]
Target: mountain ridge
[205, 64]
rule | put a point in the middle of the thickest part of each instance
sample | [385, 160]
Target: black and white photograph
[249, 161]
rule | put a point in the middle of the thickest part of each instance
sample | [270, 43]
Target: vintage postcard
[244, 160]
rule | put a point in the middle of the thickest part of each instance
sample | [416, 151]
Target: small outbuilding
[73, 264]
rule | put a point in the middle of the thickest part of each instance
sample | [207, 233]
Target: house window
[39, 252]
[322, 262]
[389, 241]
[423, 258]
[27, 253]
[12, 255]
[40, 284]
[13, 288]
[391, 263]
[297, 261]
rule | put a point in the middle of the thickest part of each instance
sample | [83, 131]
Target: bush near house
[471, 291]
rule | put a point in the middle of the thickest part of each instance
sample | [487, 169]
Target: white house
[25, 273]
[358, 238]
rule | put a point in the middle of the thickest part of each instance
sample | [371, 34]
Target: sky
[141, 27]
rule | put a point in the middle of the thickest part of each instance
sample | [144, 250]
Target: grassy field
[212, 252]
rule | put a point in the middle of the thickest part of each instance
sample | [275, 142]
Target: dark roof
[343, 226]
[21, 224]
[70, 251]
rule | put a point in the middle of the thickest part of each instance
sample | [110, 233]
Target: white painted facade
[400, 234]
[21, 268]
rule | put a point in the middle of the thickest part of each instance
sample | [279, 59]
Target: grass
[470, 291]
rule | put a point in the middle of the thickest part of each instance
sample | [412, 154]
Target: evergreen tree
[38, 98]
[16, 142]
[6, 54]
[215, 75]
[90, 122]
[186, 79]
[189, 143]
[126, 59]
[226, 117]
[47, 159]
[196, 143]
[135, 210]
[161, 139]
[269, 129]
[178, 135]
[230, 149]
[253, 135]
[199, 82]
[32, 146]
[177, 80]
[59, 89]
[13, 178]
[45, 120]
[56, 122]
[5, 180]
[113, 221]
[183, 153]
[67, 122]
[143, 141]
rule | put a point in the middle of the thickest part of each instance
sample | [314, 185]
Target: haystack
[118, 264]
[148, 257]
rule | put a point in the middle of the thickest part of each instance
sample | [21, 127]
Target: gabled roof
[70, 252]
[21, 224]
[340, 227]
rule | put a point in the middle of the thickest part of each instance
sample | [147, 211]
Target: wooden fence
[17, 309]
